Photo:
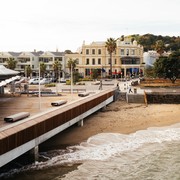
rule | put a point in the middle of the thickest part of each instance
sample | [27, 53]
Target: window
[99, 51]
[93, 51]
[77, 60]
[131, 61]
[87, 72]
[87, 51]
[132, 52]
[122, 51]
[93, 61]
[127, 52]
[115, 61]
[99, 60]
[109, 61]
[87, 61]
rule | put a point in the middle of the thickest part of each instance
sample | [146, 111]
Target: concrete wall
[165, 98]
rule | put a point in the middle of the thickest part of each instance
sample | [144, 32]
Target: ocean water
[152, 154]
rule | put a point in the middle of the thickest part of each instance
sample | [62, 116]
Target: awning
[6, 73]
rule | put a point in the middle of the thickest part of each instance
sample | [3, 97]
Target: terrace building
[48, 58]
[28, 59]
[127, 60]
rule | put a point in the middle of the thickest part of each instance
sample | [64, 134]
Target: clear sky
[45, 25]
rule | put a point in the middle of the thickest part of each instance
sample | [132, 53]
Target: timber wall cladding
[26, 131]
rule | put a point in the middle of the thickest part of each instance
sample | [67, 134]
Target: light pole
[71, 80]
[39, 87]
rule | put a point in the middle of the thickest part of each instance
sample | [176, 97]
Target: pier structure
[25, 135]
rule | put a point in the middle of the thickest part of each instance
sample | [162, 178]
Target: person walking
[130, 90]
[100, 86]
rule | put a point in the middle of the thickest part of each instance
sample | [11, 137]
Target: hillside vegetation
[148, 41]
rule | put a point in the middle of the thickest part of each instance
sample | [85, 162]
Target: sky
[47, 25]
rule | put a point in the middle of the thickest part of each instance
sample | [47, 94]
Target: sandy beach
[119, 117]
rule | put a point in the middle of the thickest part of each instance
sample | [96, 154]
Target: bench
[58, 103]
[83, 94]
[16, 117]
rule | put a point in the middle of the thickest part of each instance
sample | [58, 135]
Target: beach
[118, 117]
[118, 139]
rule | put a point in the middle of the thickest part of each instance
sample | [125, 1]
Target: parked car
[53, 79]
[34, 81]
[45, 81]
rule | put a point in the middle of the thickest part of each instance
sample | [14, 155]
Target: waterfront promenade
[10, 104]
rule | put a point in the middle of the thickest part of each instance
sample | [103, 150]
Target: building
[28, 59]
[33, 59]
[48, 58]
[150, 58]
[127, 60]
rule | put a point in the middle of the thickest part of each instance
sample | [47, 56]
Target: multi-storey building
[150, 58]
[33, 59]
[5, 56]
[28, 59]
[48, 58]
[127, 60]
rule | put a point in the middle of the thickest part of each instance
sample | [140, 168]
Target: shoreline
[118, 117]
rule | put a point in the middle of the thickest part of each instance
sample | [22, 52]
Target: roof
[5, 71]
[58, 53]
[38, 53]
[15, 54]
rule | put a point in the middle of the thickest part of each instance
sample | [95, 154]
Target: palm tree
[57, 68]
[111, 47]
[11, 63]
[72, 63]
[28, 70]
[42, 69]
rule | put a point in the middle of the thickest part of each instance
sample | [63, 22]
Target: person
[118, 86]
[100, 86]
[130, 89]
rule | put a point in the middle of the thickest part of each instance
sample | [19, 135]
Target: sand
[119, 117]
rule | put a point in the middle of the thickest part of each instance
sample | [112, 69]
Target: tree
[28, 70]
[95, 74]
[57, 68]
[168, 67]
[68, 51]
[111, 47]
[72, 63]
[149, 72]
[11, 63]
[160, 47]
[42, 69]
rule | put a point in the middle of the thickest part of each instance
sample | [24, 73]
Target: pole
[39, 88]
[71, 80]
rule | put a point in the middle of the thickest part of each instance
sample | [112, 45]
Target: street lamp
[39, 87]
[71, 80]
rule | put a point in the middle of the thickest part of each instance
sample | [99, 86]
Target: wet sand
[119, 117]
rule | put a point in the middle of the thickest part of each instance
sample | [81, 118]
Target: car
[53, 79]
[33, 81]
[45, 81]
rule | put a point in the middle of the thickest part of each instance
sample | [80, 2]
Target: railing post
[80, 123]
[35, 153]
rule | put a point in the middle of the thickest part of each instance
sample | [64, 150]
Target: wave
[107, 145]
